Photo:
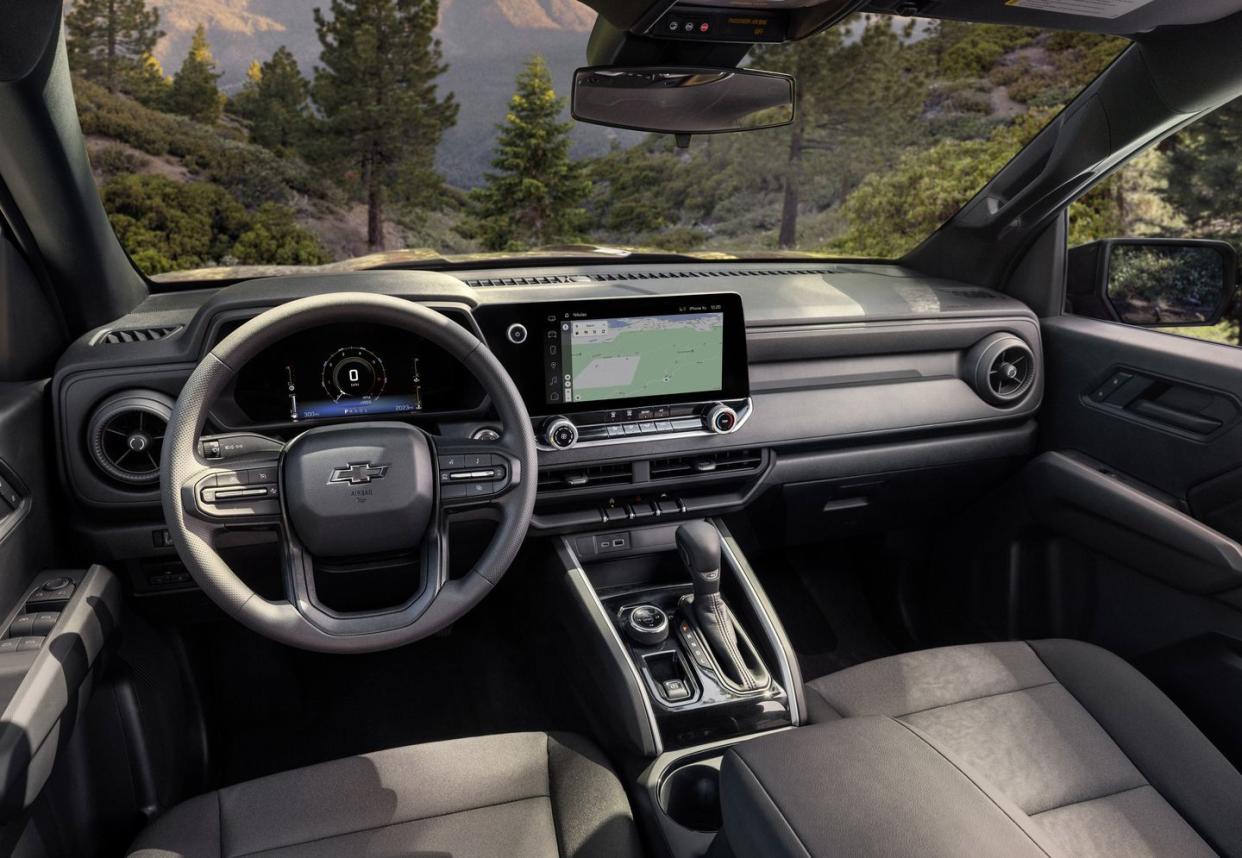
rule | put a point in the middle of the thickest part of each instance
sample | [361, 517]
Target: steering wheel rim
[301, 621]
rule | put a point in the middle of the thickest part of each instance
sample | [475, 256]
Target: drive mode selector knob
[560, 433]
[647, 625]
[721, 419]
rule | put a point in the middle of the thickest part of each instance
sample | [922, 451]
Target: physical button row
[643, 509]
[469, 460]
[647, 427]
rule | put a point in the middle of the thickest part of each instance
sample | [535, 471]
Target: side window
[1156, 244]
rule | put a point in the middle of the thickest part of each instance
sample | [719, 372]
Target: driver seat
[517, 795]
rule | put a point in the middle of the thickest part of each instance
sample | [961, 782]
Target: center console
[683, 657]
[617, 370]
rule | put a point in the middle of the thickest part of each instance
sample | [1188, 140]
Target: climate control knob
[560, 433]
[721, 419]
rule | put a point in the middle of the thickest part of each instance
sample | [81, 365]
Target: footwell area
[271, 708]
[832, 599]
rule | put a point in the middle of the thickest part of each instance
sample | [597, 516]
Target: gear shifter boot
[699, 545]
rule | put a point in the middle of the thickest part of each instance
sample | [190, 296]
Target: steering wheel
[338, 493]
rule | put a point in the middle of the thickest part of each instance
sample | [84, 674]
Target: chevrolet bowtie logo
[357, 473]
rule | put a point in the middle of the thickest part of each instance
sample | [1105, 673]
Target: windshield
[234, 134]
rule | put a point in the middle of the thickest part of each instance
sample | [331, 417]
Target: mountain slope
[486, 42]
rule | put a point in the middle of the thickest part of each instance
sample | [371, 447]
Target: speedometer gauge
[353, 373]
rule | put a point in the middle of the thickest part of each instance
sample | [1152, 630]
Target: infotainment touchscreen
[640, 357]
[622, 355]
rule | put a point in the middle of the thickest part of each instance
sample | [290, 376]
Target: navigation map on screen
[643, 356]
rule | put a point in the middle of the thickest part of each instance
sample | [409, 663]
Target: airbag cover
[359, 489]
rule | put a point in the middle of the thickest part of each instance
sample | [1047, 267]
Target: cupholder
[690, 795]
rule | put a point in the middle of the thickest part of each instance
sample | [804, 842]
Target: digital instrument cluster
[352, 370]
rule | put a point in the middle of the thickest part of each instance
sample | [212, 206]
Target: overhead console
[678, 32]
[615, 370]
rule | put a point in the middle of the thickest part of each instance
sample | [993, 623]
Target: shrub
[167, 225]
[112, 160]
[255, 174]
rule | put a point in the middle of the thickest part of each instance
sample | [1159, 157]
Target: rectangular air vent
[719, 462]
[137, 335]
[671, 274]
[592, 476]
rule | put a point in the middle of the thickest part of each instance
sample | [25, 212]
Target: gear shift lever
[699, 545]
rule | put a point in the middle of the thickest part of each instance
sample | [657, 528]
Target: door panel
[1145, 472]
[1173, 425]
[27, 537]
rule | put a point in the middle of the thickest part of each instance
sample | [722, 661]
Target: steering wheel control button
[517, 334]
[260, 476]
[646, 625]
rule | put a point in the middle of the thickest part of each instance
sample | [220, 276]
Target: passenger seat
[1045, 748]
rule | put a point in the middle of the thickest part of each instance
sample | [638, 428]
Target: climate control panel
[639, 424]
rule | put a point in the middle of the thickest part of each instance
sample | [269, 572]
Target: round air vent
[126, 435]
[1001, 369]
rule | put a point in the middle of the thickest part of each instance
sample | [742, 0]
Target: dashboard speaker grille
[125, 436]
[611, 277]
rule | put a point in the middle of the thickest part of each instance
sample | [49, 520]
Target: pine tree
[534, 196]
[376, 90]
[107, 38]
[148, 83]
[1202, 160]
[194, 91]
[856, 98]
[275, 98]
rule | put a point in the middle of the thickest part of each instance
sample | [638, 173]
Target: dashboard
[654, 389]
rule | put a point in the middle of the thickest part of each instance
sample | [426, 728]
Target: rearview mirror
[1154, 282]
[682, 100]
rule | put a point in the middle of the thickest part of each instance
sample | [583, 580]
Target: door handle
[1195, 423]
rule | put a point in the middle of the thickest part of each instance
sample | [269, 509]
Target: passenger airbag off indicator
[719, 25]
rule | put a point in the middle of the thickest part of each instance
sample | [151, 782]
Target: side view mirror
[1154, 282]
[677, 100]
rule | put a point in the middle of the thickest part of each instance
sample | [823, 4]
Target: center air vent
[1001, 369]
[593, 476]
[125, 436]
[716, 462]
